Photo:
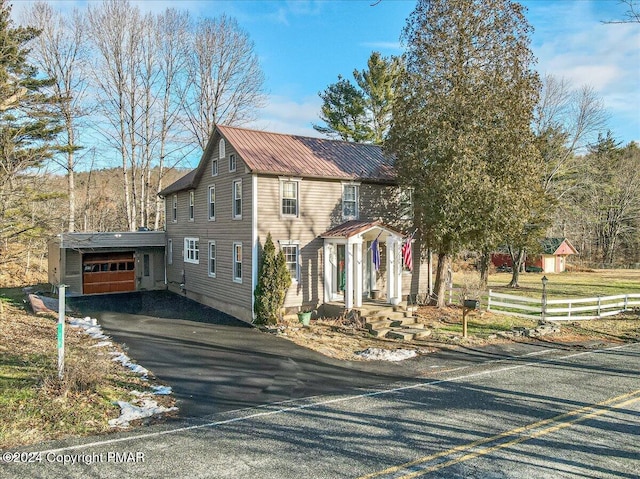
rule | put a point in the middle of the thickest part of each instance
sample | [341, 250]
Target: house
[326, 203]
[92, 263]
[553, 258]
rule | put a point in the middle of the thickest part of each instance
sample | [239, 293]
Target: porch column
[391, 265]
[327, 249]
[358, 265]
[398, 282]
[348, 269]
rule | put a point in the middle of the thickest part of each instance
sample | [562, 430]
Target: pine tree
[27, 126]
[461, 128]
[273, 281]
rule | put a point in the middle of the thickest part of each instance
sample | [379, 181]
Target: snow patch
[378, 354]
[102, 344]
[145, 407]
[127, 363]
[90, 326]
[156, 390]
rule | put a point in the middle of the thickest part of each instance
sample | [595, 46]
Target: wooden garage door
[108, 273]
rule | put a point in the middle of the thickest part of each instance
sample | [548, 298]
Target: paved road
[553, 413]
[216, 363]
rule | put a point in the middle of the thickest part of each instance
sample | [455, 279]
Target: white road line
[326, 402]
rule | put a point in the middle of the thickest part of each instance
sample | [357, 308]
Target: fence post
[599, 305]
[489, 302]
[569, 310]
[626, 301]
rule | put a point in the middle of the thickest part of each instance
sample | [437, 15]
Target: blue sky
[304, 45]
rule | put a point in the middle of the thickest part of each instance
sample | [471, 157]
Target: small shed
[553, 258]
[555, 252]
[100, 262]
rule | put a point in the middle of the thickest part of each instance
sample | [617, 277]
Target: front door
[340, 279]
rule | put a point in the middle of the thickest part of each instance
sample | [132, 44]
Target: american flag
[407, 255]
[375, 254]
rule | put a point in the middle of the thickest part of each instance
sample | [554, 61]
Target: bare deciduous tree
[59, 51]
[225, 83]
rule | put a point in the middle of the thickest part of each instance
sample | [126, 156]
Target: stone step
[418, 332]
[385, 323]
[410, 326]
[400, 334]
[380, 333]
[397, 322]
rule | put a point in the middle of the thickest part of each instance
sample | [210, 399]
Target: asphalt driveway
[216, 363]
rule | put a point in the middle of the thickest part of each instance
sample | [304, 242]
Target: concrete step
[418, 333]
[380, 333]
[400, 334]
[398, 322]
[385, 323]
[410, 326]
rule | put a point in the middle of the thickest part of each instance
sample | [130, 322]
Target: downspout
[254, 240]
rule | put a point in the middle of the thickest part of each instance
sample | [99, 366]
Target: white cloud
[284, 115]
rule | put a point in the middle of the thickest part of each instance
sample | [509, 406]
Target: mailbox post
[468, 305]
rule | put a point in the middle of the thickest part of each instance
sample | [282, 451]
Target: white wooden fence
[562, 309]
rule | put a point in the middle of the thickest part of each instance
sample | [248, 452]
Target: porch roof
[358, 227]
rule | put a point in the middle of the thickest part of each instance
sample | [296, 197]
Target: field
[567, 285]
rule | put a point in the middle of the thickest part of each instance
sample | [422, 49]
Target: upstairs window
[214, 167]
[174, 216]
[221, 148]
[289, 194]
[192, 205]
[232, 163]
[191, 250]
[237, 199]
[350, 201]
[212, 203]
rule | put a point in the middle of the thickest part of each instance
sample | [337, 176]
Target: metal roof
[356, 227]
[123, 239]
[292, 155]
[276, 153]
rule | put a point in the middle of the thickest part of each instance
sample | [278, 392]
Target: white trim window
[212, 259]
[350, 201]
[192, 205]
[406, 203]
[212, 203]
[291, 257]
[289, 198]
[233, 164]
[174, 200]
[192, 250]
[221, 148]
[169, 251]
[237, 199]
[237, 262]
[214, 167]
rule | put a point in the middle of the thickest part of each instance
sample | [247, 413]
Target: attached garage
[99, 263]
[108, 273]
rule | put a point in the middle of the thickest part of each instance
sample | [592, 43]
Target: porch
[353, 264]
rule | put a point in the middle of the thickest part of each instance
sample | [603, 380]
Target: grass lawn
[34, 404]
[562, 285]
